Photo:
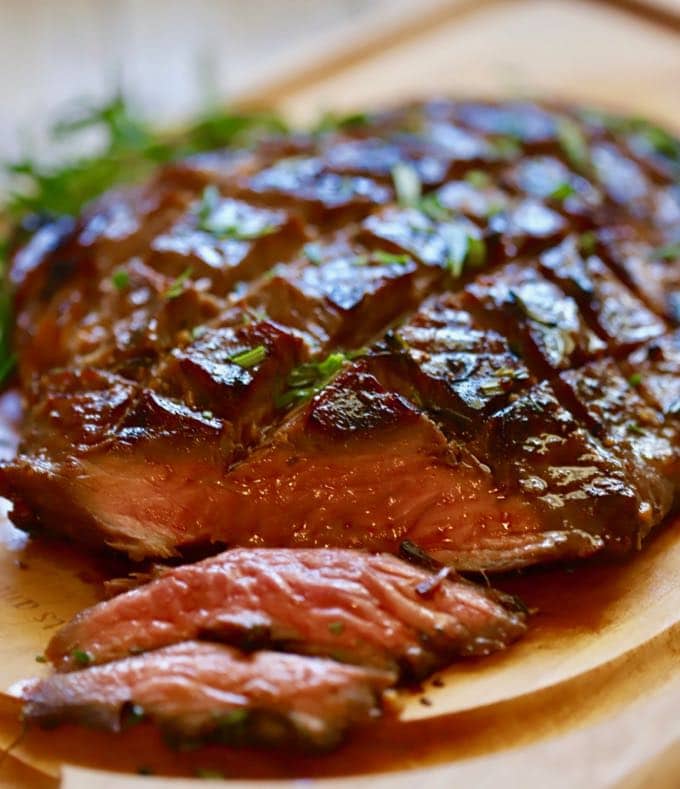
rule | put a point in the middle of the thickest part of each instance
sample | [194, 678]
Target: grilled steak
[377, 611]
[454, 323]
[210, 692]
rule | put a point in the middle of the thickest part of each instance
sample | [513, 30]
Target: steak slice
[373, 610]
[209, 692]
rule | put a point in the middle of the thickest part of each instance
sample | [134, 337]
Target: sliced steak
[373, 610]
[201, 692]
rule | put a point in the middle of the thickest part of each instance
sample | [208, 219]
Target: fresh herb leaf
[177, 287]
[634, 427]
[635, 379]
[476, 252]
[306, 380]
[120, 279]
[251, 357]
[40, 659]
[407, 185]
[432, 206]
[563, 191]
[389, 258]
[81, 657]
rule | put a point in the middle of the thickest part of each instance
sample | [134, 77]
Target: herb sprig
[129, 150]
[306, 380]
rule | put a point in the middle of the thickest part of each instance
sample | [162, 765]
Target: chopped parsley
[120, 279]
[462, 249]
[407, 185]
[336, 628]
[306, 380]
[635, 379]
[382, 258]
[634, 427]
[432, 206]
[40, 659]
[177, 287]
[251, 357]
[563, 191]
[81, 657]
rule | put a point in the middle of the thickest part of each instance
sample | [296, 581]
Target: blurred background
[171, 57]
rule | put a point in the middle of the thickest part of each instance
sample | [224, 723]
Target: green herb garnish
[407, 185]
[336, 628]
[331, 122]
[235, 717]
[40, 659]
[81, 657]
[389, 258]
[177, 287]
[306, 380]
[573, 144]
[562, 191]
[251, 357]
[120, 279]
[432, 206]
[634, 427]
[635, 379]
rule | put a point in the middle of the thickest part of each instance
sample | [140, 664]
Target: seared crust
[513, 325]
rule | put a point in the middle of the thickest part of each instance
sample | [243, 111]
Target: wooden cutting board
[589, 701]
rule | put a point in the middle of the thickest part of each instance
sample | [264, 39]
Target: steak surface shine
[455, 323]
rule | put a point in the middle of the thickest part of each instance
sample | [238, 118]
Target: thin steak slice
[373, 610]
[197, 692]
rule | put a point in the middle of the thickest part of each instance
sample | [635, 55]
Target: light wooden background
[170, 55]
